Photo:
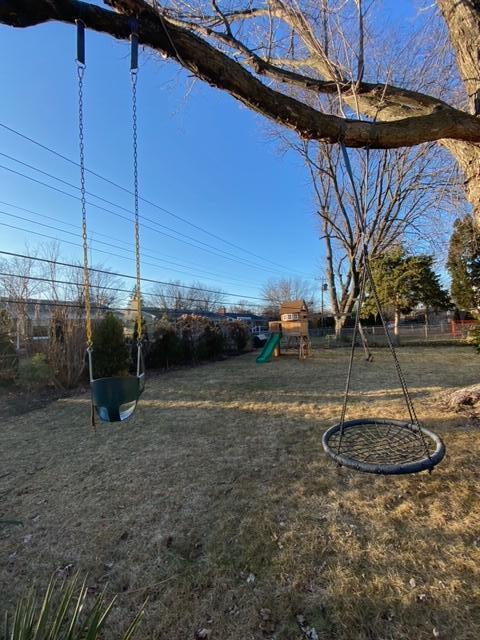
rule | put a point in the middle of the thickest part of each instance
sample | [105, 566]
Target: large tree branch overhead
[219, 70]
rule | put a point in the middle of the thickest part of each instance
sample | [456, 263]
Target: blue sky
[202, 156]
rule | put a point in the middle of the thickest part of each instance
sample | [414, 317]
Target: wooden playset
[293, 327]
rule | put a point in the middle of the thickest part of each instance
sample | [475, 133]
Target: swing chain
[134, 76]
[86, 273]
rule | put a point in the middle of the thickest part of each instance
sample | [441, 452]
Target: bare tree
[171, 296]
[196, 297]
[206, 299]
[18, 288]
[105, 287]
[243, 308]
[277, 291]
[401, 193]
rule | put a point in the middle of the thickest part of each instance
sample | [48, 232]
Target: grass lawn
[217, 502]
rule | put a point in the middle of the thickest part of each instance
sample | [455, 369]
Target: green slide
[269, 348]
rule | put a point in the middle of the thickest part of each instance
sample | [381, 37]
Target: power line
[109, 253]
[98, 233]
[114, 246]
[153, 204]
[78, 227]
[80, 285]
[121, 275]
[227, 256]
[48, 303]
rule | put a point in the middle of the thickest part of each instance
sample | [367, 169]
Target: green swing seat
[115, 399]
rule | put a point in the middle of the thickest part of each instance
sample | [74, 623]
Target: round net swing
[382, 446]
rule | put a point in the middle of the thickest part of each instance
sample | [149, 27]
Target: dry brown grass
[217, 502]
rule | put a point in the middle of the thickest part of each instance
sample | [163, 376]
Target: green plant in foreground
[62, 614]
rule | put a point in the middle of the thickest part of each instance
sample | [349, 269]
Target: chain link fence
[408, 334]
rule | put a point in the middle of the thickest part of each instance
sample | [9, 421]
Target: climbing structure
[289, 335]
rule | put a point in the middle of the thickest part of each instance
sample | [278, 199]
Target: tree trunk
[339, 322]
[463, 21]
[396, 324]
[468, 158]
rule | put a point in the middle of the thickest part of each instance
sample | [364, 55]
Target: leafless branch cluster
[277, 291]
[403, 196]
[28, 284]
[196, 297]
[344, 50]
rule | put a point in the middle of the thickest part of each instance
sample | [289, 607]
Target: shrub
[238, 336]
[473, 337]
[200, 338]
[62, 613]
[165, 349]
[193, 339]
[211, 343]
[8, 354]
[35, 372]
[66, 349]
[111, 355]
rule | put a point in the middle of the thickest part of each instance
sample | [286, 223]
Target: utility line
[115, 204]
[227, 256]
[121, 275]
[153, 204]
[80, 285]
[109, 253]
[48, 303]
[114, 246]
[78, 228]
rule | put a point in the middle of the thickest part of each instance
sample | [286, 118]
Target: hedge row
[192, 339]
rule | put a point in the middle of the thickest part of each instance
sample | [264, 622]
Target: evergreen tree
[403, 281]
[464, 264]
[111, 355]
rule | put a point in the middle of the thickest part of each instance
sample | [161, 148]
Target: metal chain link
[136, 206]
[83, 200]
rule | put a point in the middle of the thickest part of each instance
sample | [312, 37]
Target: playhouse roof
[293, 306]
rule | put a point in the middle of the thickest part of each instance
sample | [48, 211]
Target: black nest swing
[382, 446]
